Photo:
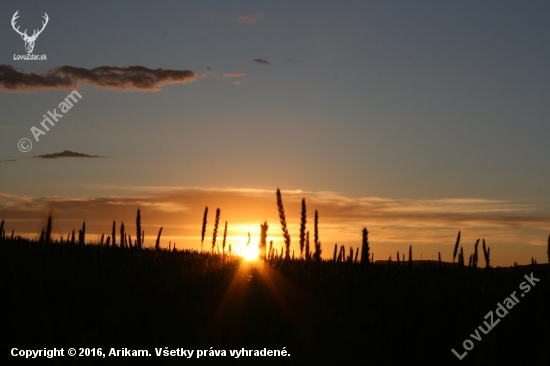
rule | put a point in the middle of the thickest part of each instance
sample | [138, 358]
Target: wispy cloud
[208, 72]
[67, 154]
[7, 161]
[250, 18]
[132, 78]
[234, 74]
[261, 61]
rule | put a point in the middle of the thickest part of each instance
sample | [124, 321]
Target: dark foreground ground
[99, 297]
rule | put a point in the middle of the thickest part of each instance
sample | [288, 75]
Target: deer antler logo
[29, 41]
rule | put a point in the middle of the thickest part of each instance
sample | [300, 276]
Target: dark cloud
[260, 61]
[7, 161]
[132, 78]
[66, 154]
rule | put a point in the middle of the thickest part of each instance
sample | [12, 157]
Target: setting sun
[251, 252]
[247, 234]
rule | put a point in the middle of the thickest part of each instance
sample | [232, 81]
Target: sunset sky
[412, 119]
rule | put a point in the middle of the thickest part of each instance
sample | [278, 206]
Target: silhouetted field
[67, 295]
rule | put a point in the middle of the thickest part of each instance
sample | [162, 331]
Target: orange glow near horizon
[514, 233]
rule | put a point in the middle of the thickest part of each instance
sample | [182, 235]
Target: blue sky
[424, 100]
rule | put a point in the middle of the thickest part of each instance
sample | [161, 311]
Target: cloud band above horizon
[132, 78]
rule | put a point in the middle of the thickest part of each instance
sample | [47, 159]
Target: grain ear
[286, 236]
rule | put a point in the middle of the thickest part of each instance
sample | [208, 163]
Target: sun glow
[248, 236]
[251, 252]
